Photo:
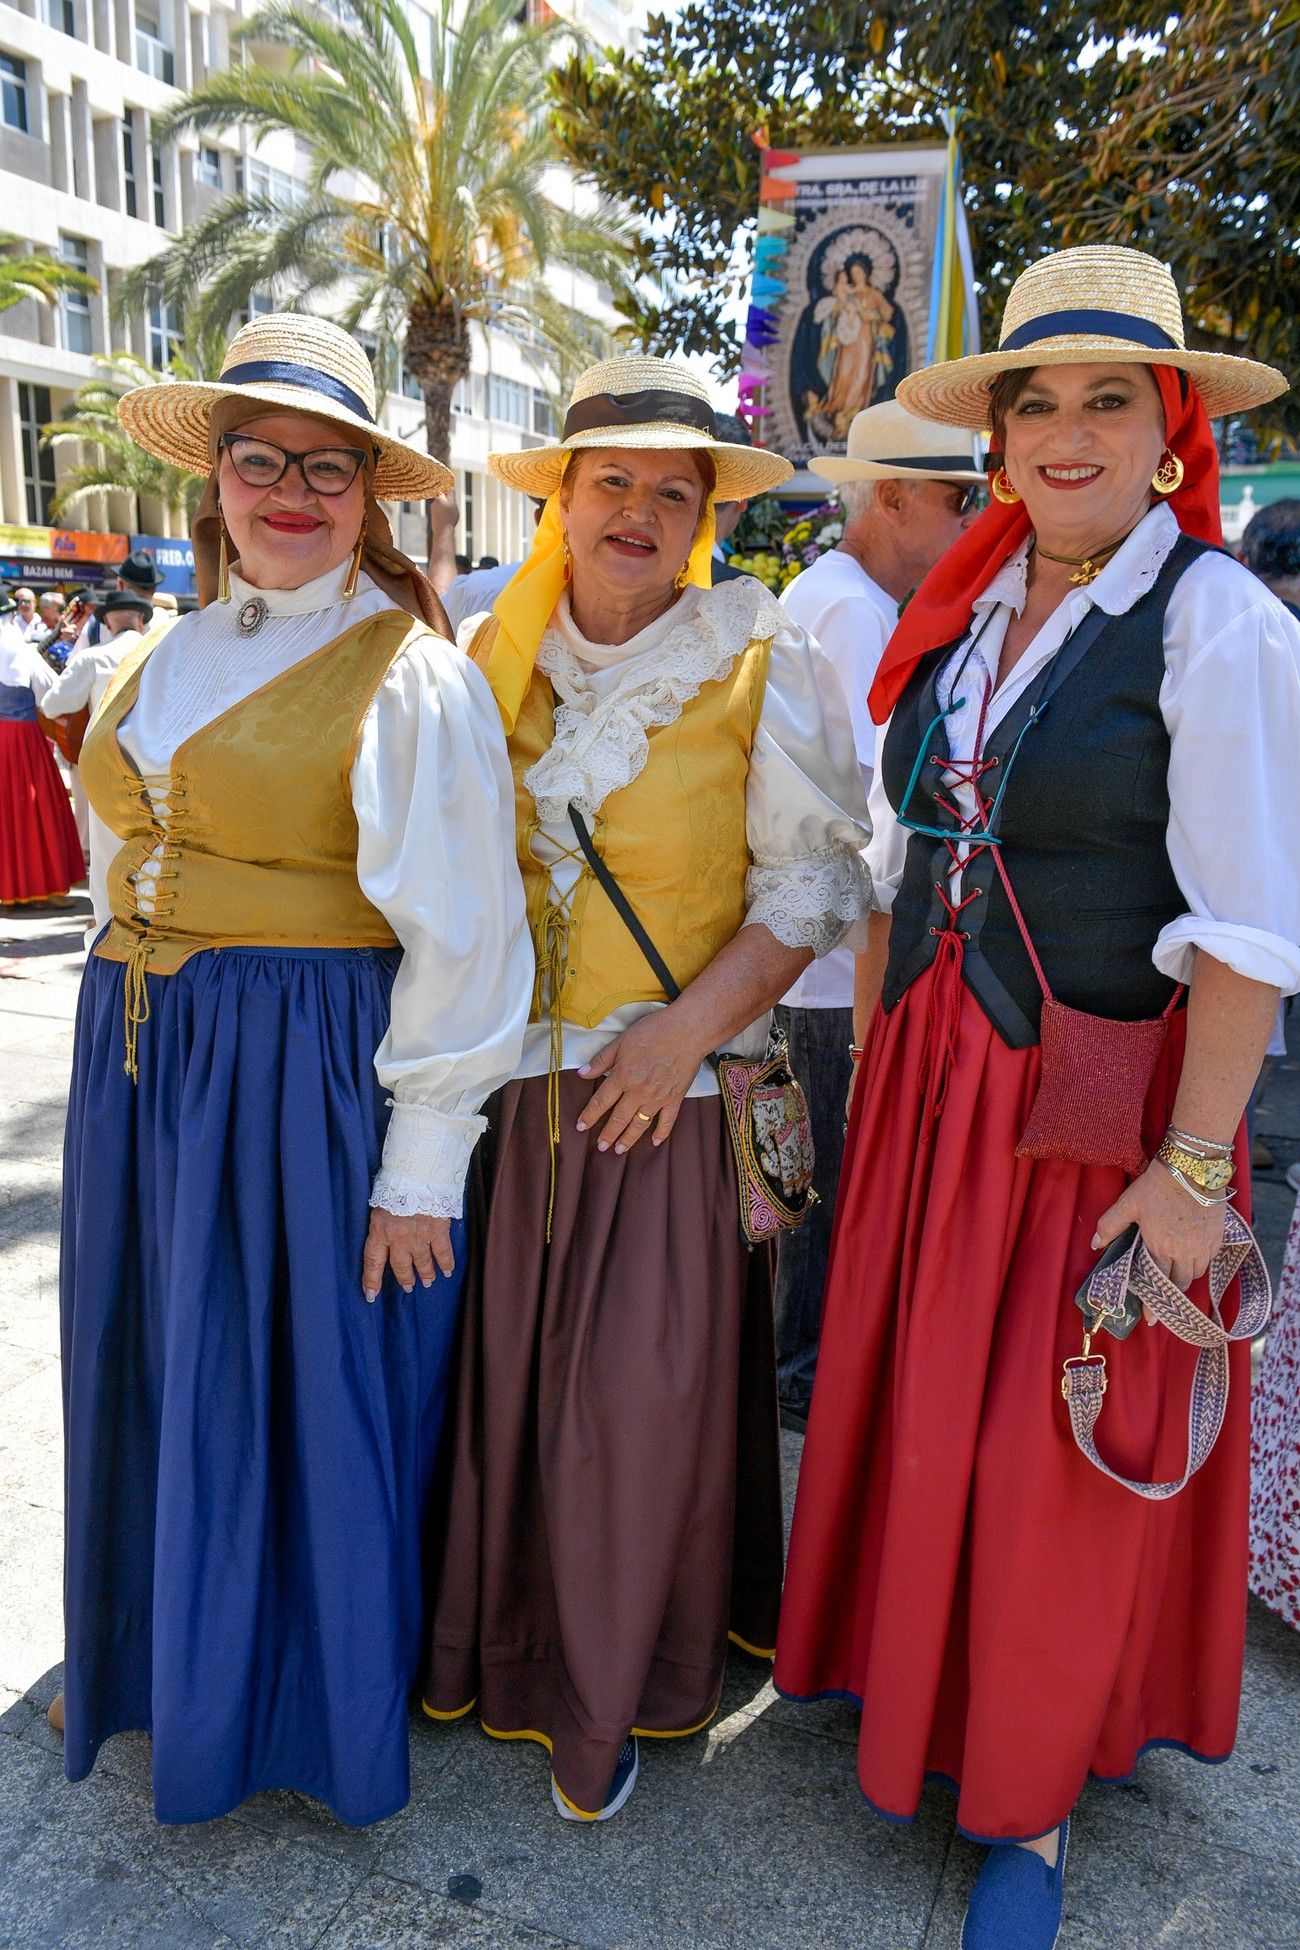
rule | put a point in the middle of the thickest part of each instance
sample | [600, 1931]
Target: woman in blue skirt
[308, 911]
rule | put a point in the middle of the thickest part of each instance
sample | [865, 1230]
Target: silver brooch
[251, 616]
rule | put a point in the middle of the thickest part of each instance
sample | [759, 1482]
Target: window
[467, 514]
[130, 196]
[208, 168]
[543, 414]
[508, 401]
[259, 303]
[259, 180]
[38, 462]
[155, 171]
[74, 306]
[60, 15]
[13, 75]
[152, 54]
[164, 334]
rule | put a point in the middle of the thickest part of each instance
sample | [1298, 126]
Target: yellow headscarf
[527, 603]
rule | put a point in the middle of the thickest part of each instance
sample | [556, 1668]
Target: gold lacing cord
[551, 948]
[135, 987]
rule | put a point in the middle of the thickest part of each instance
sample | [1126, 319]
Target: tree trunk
[438, 353]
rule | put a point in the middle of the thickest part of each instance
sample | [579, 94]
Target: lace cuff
[426, 1156]
[811, 902]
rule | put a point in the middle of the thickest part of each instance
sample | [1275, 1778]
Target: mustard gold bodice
[674, 838]
[259, 838]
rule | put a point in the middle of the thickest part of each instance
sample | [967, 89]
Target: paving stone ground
[750, 1837]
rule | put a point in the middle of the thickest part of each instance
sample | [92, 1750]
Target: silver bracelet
[1194, 1191]
[1210, 1146]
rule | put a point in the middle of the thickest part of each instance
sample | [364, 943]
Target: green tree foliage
[1176, 132]
[425, 208]
[114, 464]
[35, 274]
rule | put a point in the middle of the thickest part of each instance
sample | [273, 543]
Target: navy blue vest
[1083, 823]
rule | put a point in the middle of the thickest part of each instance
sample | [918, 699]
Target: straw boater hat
[643, 403]
[887, 443]
[284, 359]
[1077, 307]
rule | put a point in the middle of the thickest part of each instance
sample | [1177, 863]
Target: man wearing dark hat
[138, 576]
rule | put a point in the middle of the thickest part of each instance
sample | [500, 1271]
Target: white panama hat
[1099, 302]
[887, 443]
[287, 359]
[643, 403]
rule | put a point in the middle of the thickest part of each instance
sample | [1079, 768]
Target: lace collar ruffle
[1127, 577]
[602, 743]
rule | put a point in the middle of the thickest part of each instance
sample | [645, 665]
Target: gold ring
[646, 1117]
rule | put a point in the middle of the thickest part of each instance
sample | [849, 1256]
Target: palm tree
[35, 274]
[424, 212]
[118, 465]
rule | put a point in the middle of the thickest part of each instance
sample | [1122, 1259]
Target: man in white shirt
[26, 617]
[122, 617]
[909, 487]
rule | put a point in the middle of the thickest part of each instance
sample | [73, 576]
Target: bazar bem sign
[175, 560]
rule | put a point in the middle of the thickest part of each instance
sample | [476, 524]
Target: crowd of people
[431, 1128]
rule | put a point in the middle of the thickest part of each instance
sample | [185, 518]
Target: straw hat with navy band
[642, 403]
[887, 443]
[1096, 303]
[288, 360]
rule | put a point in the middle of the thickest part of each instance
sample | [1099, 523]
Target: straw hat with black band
[633, 403]
[291, 361]
[887, 443]
[1077, 307]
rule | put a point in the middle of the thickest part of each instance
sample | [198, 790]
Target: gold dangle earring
[350, 586]
[683, 576]
[1168, 477]
[223, 562]
[1001, 489]
[566, 558]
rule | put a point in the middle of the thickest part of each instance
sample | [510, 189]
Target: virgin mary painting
[847, 351]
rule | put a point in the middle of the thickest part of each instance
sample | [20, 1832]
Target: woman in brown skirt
[615, 1503]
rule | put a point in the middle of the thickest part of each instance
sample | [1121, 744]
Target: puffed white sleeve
[434, 799]
[1231, 702]
[70, 690]
[806, 809]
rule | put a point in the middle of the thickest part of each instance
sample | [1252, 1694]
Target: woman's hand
[1181, 1236]
[647, 1071]
[420, 1245]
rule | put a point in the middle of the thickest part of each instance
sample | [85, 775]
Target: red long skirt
[1005, 1616]
[40, 854]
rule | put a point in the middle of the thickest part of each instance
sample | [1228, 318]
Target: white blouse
[434, 800]
[805, 807]
[1230, 699]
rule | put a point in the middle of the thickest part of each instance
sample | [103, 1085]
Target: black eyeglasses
[971, 497]
[261, 463]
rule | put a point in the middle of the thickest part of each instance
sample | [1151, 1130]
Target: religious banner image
[862, 272]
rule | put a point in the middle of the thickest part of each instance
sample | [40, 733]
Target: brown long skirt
[615, 1499]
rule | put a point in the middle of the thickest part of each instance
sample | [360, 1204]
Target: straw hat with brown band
[291, 361]
[1099, 302]
[642, 403]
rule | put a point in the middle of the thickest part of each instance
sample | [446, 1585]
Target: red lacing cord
[946, 990]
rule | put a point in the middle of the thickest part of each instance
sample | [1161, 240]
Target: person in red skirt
[1095, 715]
[40, 854]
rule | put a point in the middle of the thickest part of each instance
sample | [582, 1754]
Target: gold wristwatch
[1211, 1174]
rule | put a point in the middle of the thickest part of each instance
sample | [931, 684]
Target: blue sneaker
[625, 1773]
[1016, 1903]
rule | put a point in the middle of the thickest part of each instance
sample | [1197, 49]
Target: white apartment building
[83, 177]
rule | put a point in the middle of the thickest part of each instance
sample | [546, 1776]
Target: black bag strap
[623, 906]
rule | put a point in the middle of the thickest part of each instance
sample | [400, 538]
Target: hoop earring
[682, 577]
[350, 586]
[566, 557]
[1168, 477]
[1001, 489]
[223, 566]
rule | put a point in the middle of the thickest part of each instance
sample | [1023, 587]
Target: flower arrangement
[768, 546]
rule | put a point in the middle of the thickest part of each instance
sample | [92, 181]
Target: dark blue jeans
[819, 1056]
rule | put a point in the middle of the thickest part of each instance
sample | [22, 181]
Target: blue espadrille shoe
[1016, 1903]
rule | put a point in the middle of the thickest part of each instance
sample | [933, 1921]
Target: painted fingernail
[1096, 1241]
[603, 1145]
[619, 1149]
[366, 1294]
[581, 1126]
[426, 1284]
[584, 1070]
[408, 1289]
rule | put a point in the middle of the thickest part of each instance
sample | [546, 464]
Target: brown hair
[704, 467]
[1004, 391]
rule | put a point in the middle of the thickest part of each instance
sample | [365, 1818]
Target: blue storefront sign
[175, 559]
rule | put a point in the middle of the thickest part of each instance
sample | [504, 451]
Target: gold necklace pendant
[1087, 572]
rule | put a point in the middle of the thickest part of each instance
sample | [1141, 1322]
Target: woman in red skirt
[40, 854]
[1094, 722]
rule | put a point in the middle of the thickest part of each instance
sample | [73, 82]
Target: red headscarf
[941, 609]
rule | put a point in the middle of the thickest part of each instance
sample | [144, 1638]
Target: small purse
[1096, 1072]
[763, 1103]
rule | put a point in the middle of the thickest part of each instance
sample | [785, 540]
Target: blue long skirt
[250, 1445]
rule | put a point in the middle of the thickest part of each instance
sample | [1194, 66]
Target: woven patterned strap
[1084, 1382]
